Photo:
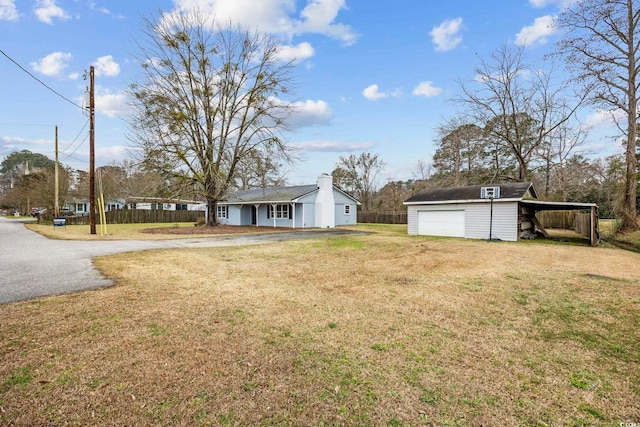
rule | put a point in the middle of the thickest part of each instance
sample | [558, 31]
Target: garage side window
[347, 209]
[223, 212]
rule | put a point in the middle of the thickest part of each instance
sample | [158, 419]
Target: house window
[181, 207]
[80, 208]
[223, 212]
[133, 205]
[281, 212]
[347, 209]
[157, 207]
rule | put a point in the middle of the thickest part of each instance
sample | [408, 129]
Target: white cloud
[295, 53]
[333, 146]
[373, 93]
[109, 103]
[544, 3]
[426, 89]
[537, 33]
[100, 9]
[47, 10]
[52, 64]
[604, 118]
[277, 16]
[8, 11]
[319, 16]
[106, 66]
[310, 113]
[446, 36]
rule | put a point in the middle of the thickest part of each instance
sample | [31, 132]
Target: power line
[77, 136]
[40, 81]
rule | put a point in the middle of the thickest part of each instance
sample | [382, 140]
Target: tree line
[213, 103]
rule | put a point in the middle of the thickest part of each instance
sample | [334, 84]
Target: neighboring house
[320, 205]
[159, 204]
[80, 207]
[493, 212]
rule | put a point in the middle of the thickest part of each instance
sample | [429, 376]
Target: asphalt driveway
[33, 266]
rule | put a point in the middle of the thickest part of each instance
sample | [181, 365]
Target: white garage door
[441, 223]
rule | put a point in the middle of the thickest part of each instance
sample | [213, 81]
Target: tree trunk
[629, 213]
[212, 211]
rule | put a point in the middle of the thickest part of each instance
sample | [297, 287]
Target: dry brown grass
[363, 330]
[155, 231]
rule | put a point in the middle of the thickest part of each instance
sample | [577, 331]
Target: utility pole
[92, 154]
[56, 202]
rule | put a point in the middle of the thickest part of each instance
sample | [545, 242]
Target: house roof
[511, 191]
[269, 195]
[274, 195]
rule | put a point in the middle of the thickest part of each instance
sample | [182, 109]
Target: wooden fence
[578, 221]
[558, 219]
[382, 217]
[139, 216]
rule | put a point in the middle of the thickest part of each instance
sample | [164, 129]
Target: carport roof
[512, 191]
[539, 205]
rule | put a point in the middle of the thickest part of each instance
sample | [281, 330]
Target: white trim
[448, 202]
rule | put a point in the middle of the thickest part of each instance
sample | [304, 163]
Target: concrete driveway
[33, 266]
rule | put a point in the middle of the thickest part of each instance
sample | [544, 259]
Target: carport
[531, 207]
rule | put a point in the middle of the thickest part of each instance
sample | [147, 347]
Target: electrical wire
[68, 155]
[40, 81]
[77, 136]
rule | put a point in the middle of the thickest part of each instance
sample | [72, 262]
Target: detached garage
[493, 212]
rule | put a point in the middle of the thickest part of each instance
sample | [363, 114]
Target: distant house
[164, 204]
[80, 207]
[320, 205]
[493, 212]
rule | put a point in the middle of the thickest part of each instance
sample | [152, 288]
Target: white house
[492, 212]
[320, 205]
[163, 204]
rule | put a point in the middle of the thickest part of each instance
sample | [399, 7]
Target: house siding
[340, 202]
[477, 216]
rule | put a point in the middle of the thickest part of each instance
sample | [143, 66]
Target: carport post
[594, 226]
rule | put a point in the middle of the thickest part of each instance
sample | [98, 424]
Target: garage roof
[512, 191]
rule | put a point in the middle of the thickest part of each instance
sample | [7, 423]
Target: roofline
[447, 202]
[295, 200]
[260, 202]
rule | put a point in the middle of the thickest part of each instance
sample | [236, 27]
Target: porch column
[274, 215]
[293, 215]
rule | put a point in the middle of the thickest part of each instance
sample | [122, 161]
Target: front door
[254, 215]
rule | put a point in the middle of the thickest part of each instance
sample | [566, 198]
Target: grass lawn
[155, 231]
[383, 329]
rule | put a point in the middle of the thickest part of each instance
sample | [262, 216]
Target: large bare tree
[517, 105]
[602, 47]
[211, 96]
[358, 175]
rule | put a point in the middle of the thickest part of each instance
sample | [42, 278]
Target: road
[33, 266]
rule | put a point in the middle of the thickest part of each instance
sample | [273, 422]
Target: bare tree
[602, 48]
[517, 106]
[359, 176]
[211, 96]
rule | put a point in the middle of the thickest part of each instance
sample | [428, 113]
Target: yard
[383, 329]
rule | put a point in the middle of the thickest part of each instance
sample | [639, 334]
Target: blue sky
[371, 76]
